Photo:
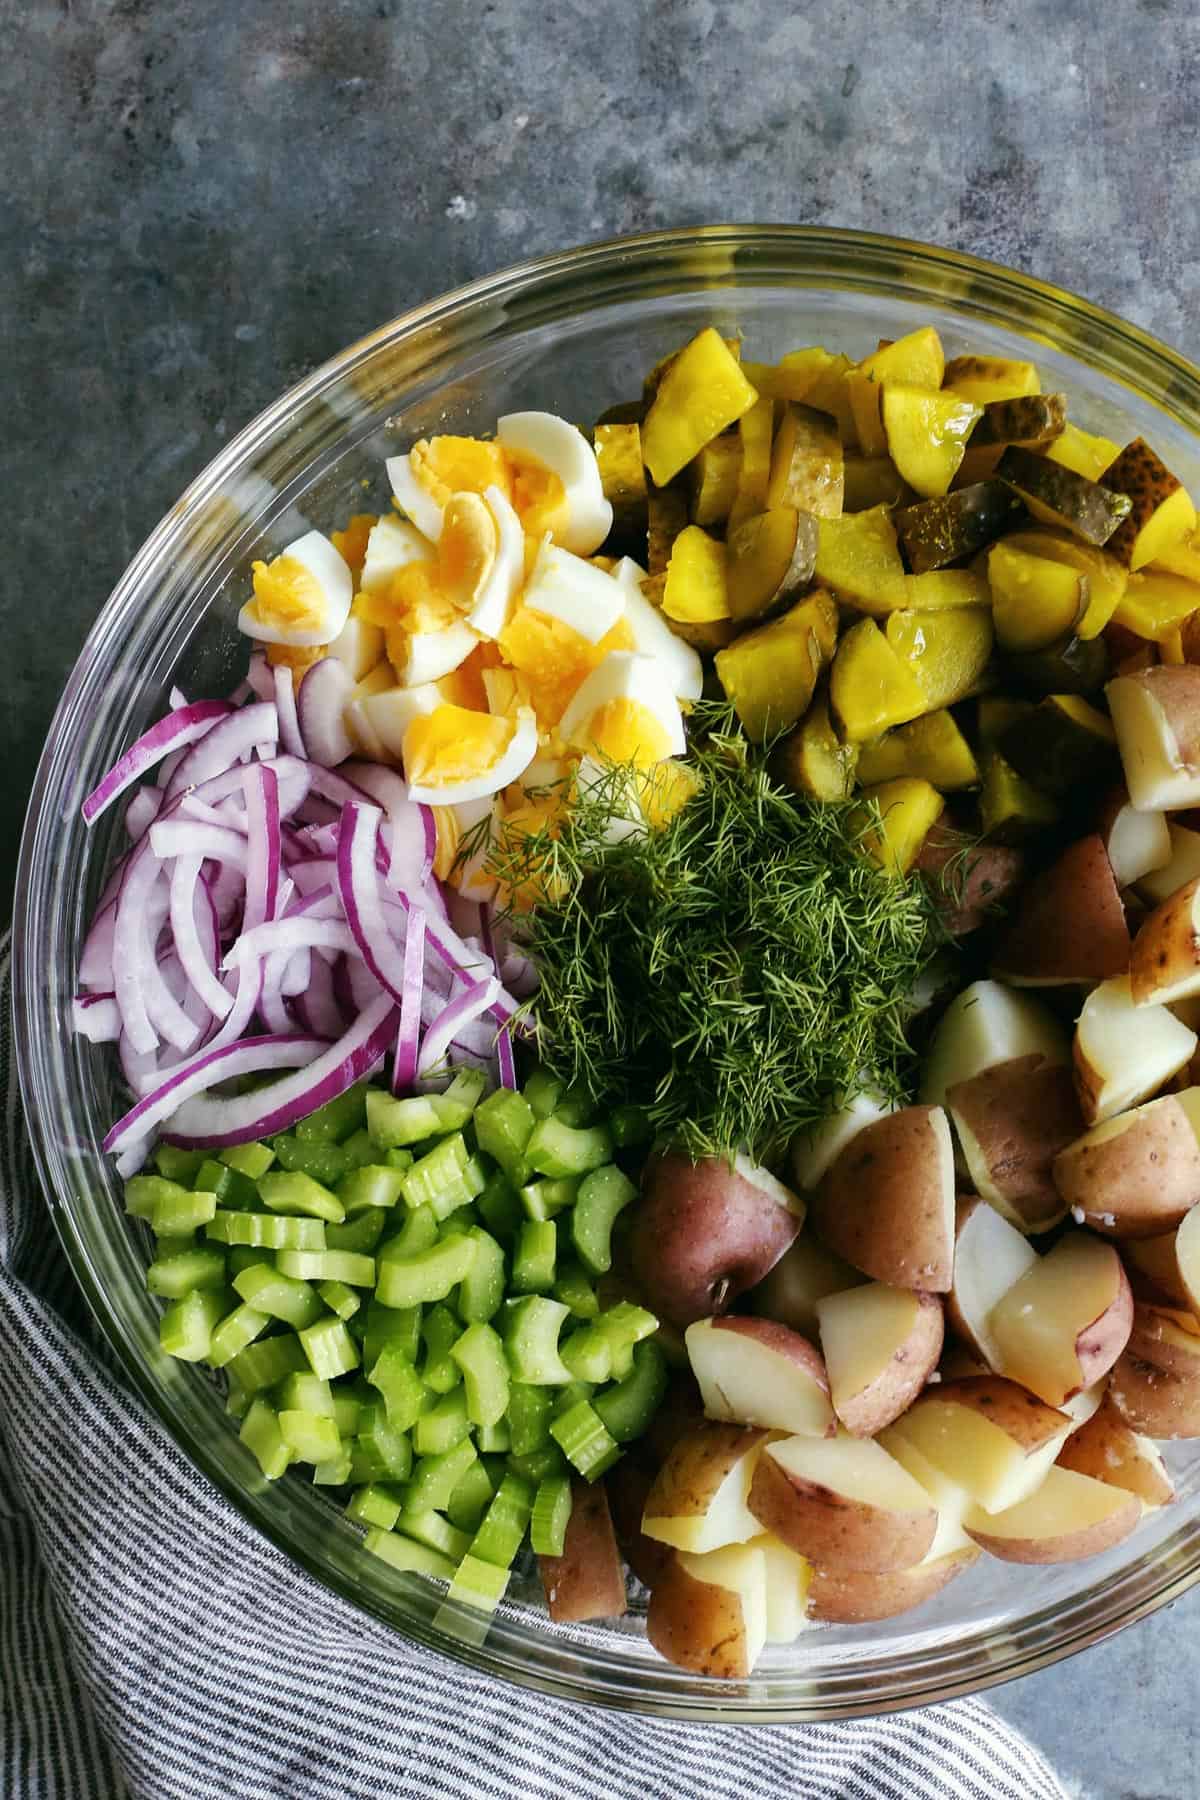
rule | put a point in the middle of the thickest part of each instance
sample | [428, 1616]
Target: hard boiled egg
[582, 518]
[566, 587]
[437, 467]
[652, 636]
[492, 601]
[392, 545]
[428, 655]
[625, 711]
[452, 755]
[303, 597]
[387, 715]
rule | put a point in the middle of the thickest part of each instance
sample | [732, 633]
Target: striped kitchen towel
[152, 1645]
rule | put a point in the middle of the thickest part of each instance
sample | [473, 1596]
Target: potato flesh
[949, 1497]
[1182, 865]
[987, 1024]
[1159, 772]
[1037, 1324]
[853, 1468]
[862, 1331]
[721, 1517]
[814, 1153]
[1053, 1518]
[990, 1257]
[993, 1468]
[1125, 1053]
[803, 1275]
[789, 1577]
[748, 1382]
[1138, 844]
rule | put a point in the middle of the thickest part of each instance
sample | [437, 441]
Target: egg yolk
[294, 656]
[625, 731]
[287, 595]
[538, 496]
[449, 836]
[351, 544]
[665, 791]
[553, 657]
[412, 600]
[466, 549]
[452, 465]
[465, 685]
[533, 818]
[451, 744]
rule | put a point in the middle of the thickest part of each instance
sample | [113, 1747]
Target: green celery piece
[531, 1328]
[431, 1528]
[533, 1257]
[471, 1599]
[177, 1165]
[560, 1151]
[237, 1401]
[418, 1232]
[329, 1348]
[174, 1244]
[499, 1206]
[240, 1257]
[630, 1127]
[251, 1160]
[271, 1291]
[404, 1393]
[326, 1163]
[574, 1289]
[300, 1196]
[145, 1193]
[202, 1266]
[481, 1291]
[361, 1234]
[175, 1215]
[302, 1391]
[584, 1440]
[543, 1199]
[339, 1298]
[603, 1194]
[264, 1364]
[347, 1410]
[336, 1119]
[529, 1414]
[550, 1516]
[328, 1265]
[213, 1177]
[430, 1275]
[395, 1124]
[539, 1465]
[601, 1350]
[262, 1437]
[336, 1471]
[505, 1523]
[186, 1328]
[440, 1328]
[480, 1355]
[358, 1151]
[370, 1187]
[493, 1440]
[570, 1396]
[437, 1173]
[266, 1231]
[235, 1333]
[435, 1478]
[398, 1159]
[310, 1437]
[504, 1123]
[374, 1505]
[543, 1092]
[626, 1409]
[407, 1555]
[470, 1499]
[391, 1325]
[379, 1449]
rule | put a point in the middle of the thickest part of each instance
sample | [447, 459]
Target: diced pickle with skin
[666, 515]
[702, 392]
[622, 473]
[1011, 810]
[1063, 746]
[987, 378]
[1069, 666]
[756, 430]
[908, 809]
[858, 559]
[1082, 451]
[1161, 512]
[770, 674]
[1035, 600]
[770, 559]
[1106, 578]
[915, 360]
[696, 590]
[807, 466]
[1058, 496]
[870, 687]
[940, 531]
[1156, 603]
[713, 479]
[940, 589]
[873, 481]
[931, 748]
[947, 652]
[1031, 419]
[813, 760]
[927, 434]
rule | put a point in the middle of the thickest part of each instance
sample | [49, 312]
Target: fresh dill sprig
[741, 972]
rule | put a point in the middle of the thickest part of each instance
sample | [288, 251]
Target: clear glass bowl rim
[689, 259]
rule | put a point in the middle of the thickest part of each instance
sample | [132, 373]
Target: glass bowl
[572, 333]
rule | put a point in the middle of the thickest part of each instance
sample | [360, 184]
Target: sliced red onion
[226, 741]
[505, 1059]
[190, 807]
[260, 677]
[189, 837]
[262, 845]
[290, 735]
[404, 1063]
[205, 1070]
[171, 733]
[297, 974]
[412, 844]
[316, 811]
[176, 699]
[333, 785]
[317, 1006]
[479, 997]
[363, 986]
[299, 931]
[208, 1121]
[137, 981]
[313, 874]
[95, 959]
[97, 1017]
[324, 694]
[142, 811]
[197, 956]
[358, 886]
[272, 1007]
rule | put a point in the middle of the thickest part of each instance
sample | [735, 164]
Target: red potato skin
[1099, 1344]
[1027, 1111]
[781, 1338]
[850, 1597]
[971, 884]
[829, 1532]
[702, 1235]
[696, 1625]
[628, 1487]
[586, 1581]
[1159, 941]
[869, 1211]
[1153, 1403]
[1070, 925]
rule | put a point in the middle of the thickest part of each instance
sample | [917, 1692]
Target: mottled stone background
[199, 203]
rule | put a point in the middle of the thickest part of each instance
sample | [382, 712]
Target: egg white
[391, 545]
[508, 767]
[653, 636]
[625, 675]
[562, 448]
[414, 500]
[432, 654]
[335, 583]
[489, 615]
[566, 587]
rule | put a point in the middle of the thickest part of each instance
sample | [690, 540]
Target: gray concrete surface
[199, 203]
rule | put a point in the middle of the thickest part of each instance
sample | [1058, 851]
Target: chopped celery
[630, 1127]
[266, 1231]
[173, 1276]
[175, 1214]
[262, 1437]
[240, 1257]
[602, 1195]
[336, 1119]
[213, 1177]
[358, 1151]
[145, 1193]
[559, 1151]
[480, 1355]
[175, 1243]
[481, 1290]
[251, 1160]
[391, 1325]
[237, 1401]
[427, 1276]
[328, 1265]
[456, 1105]
[404, 1393]
[264, 1365]
[373, 1185]
[302, 1391]
[394, 1124]
[235, 1332]
[435, 1478]
[432, 1528]
[274, 1292]
[362, 1233]
[418, 1232]
[529, 1412]
[398, 1159]
[185, 1329]
[504, 1524]
[539, 1465]
[543, 1092]
[499, 1206]
[493, 1440]
[576, 1292]
[310, 1437]
[442, 1425]
[470, 1499]
[584, 1440]
[329, 1348]
[407, 1555]
[542, 1199]
[335, 1472]
[339, 1298]
[627, 1409]
[533, 1257]
[571, 1395]
[504, 1123]
[174, 1164]
[435, 1179]
[374, 1505]
[299, 1195]
[379, 1449]
[601, 1350]
[479, 1584]
[531, 1327]
[440, 1328]
[347, 1412]
[326, 1163]
[550, 1516]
